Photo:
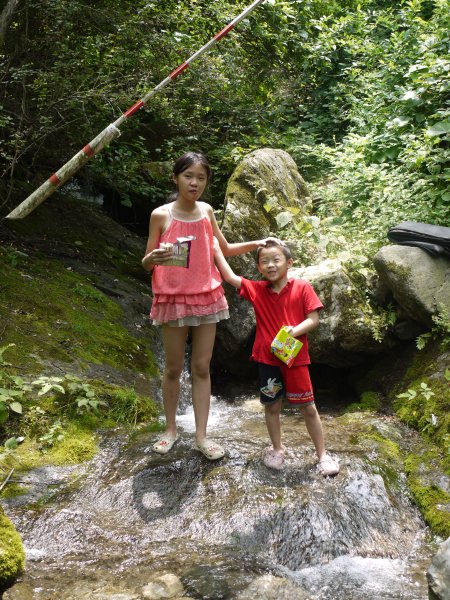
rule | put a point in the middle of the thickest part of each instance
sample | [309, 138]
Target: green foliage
[12, 389]
[71, 393]
[440, 332]
[393, 162]
[53, 435]
[356, 91]
[383, 319]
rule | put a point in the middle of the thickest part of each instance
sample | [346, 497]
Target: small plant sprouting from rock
[70, 391]
[439, 332]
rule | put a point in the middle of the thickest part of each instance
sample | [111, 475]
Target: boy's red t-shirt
[290, 307]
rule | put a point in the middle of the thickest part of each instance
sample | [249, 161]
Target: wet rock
[438, 574]
[20, 591]
[208, 584]
[165, 586]
[269, 587]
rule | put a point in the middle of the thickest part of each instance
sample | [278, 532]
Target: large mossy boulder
[265, 184]
[419, 282]
[12, 554]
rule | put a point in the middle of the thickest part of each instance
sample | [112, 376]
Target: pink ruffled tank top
[202, 275]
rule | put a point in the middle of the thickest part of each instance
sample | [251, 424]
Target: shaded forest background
[357, 91]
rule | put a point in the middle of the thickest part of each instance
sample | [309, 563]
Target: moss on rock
[12, 554]
[369, 401]
[425, 484]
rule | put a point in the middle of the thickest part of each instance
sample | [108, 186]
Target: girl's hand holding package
[160, 255]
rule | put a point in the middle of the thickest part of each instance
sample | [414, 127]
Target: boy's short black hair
[272, 243]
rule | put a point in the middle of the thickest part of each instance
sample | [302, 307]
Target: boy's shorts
[292, 382]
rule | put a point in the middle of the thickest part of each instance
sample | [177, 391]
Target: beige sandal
[210, 449]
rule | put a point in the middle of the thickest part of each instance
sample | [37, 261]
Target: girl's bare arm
[226, 271]
[227, 248]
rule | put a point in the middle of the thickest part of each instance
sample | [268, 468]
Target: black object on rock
[435, 239]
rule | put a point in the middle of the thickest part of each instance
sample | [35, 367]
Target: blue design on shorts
[272, 388]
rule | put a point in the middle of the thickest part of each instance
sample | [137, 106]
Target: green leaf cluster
[356, 91]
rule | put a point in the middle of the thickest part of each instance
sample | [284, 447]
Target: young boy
[277, 302]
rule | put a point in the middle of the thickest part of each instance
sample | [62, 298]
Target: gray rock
[344, 336]
[269, 587]
[438, 573]
[164, 586]
[420, 283]
[263, 186]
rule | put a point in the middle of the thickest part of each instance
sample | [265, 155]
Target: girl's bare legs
[314, 427]
[272, 413]
[174, 340]
[203, 337]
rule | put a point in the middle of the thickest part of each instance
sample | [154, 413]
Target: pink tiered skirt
[194, 309]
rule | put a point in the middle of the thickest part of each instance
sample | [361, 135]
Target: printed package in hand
[181, 250]
[285, 346]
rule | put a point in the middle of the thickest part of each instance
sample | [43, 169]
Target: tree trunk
[6, 17]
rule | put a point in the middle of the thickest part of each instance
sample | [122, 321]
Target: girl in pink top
[188, 297]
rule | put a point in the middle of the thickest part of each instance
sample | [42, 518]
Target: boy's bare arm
[225, 270]
[310, 323]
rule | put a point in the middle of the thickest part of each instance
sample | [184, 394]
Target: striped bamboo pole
[111, 132]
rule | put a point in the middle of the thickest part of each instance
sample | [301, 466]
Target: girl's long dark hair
[184, 162]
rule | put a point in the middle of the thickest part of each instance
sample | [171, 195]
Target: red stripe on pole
[88, 150]
[54, 180]
[224, 32]
[179, 70]
[133, 109]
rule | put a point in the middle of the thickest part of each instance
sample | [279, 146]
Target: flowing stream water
[230, 529]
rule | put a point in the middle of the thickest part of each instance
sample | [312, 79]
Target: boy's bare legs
[314, 427]
[272, 413]
[203, 337]
[174, 340]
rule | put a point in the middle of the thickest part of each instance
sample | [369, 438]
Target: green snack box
[285, 346]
